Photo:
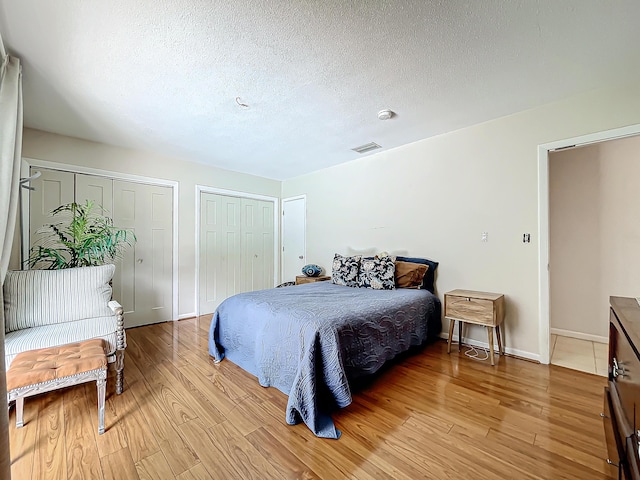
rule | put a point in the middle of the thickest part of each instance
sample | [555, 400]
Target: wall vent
[367, 147]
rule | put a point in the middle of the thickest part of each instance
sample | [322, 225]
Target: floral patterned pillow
[378, 273]
[345, 270]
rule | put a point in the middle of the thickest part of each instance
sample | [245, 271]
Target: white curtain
[10, 153]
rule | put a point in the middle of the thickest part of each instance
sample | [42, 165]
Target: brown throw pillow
[410, 275]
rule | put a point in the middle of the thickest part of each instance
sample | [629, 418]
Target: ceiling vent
[367, 147]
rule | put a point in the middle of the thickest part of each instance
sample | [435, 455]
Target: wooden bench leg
[102, 388]
[19, 412]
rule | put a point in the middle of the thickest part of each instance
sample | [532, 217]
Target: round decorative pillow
[312, 270]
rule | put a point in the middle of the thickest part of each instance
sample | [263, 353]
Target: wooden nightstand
[480, 308]
[300, 279]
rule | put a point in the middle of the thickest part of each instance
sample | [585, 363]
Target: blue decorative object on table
[312, 270]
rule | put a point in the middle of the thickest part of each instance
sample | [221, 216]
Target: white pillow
[33, 298]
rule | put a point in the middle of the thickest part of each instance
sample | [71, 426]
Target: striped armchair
[47, 308]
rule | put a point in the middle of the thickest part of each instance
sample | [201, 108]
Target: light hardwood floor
[431, 415]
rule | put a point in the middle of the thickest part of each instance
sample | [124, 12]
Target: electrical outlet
[485, 236]
[526, 238]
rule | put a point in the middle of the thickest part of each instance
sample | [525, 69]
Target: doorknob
[139, 260]
[301, 257]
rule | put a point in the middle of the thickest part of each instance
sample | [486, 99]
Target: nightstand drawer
[476, 310]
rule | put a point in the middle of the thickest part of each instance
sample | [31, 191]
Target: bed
[310, 341]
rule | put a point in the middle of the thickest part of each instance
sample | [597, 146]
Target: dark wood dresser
[621, 412]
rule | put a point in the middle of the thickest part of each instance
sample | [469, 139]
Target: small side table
[300, 279]
[480, 308]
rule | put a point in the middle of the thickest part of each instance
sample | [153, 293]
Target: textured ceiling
[163, 75]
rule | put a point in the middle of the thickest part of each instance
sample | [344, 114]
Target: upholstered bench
[47, 369]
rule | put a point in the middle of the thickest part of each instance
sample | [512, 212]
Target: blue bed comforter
[314, 338]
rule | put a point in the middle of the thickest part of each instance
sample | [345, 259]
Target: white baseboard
[186, 315]
[511, 351]
[579, 335]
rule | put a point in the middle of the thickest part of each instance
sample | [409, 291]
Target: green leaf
[83, 238]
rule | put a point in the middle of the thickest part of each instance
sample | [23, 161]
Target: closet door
[55, 188]
[143, 281]
[97, 189]
[257, 244]
[52, 189]
[220, 250]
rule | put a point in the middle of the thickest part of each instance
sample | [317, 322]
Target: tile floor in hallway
[582, 355]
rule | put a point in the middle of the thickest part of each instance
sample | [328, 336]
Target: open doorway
[586, 200]
[594, 233]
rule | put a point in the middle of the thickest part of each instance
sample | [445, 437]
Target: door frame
[27, 163]
[237, 194]
[544, 322]
[290, 199]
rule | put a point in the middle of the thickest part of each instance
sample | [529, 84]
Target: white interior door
[293, 237]
[52, 189]
[220, 250]
[257, 244]
[97, 189]
[143, 280]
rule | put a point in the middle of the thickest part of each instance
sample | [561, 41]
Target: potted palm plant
[83, 238]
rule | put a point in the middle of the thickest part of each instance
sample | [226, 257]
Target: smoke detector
[385, 114]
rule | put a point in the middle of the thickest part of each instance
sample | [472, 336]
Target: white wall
[434, 198]
[620, 219]
[67, 150]
[575, 235]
